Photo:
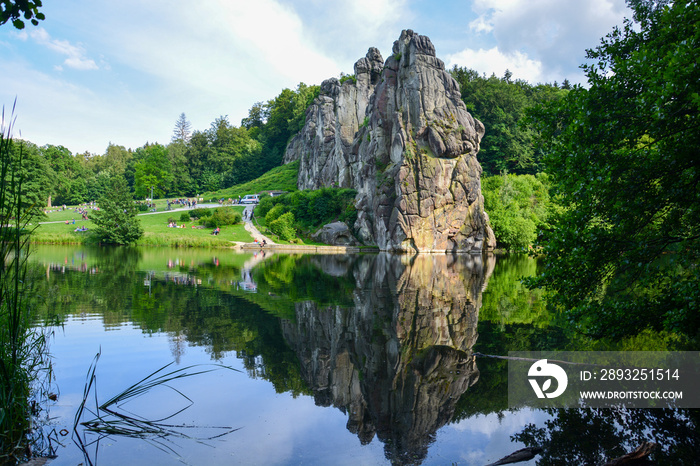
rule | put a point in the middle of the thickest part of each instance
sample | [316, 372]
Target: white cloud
[345, 29]
[493, 61]
[554, 33]
[481, 25]
[157, 59]
[75, 54]
[53, 110]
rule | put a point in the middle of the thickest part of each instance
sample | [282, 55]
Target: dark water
[339, 360]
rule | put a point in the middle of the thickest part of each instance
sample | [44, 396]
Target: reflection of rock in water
[398, 361]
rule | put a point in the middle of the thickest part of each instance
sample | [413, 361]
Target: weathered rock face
[323, 145]
[404, 140]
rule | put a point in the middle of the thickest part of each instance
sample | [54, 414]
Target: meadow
[58, 228]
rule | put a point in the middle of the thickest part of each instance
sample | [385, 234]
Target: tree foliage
[68, 177]
[275, 122]
[500, 104]
[152, 171]
[623, 155]
[19, 10]
[182, 130]
[116, 222]
[310, 209]
[31, 167]
[518, 205]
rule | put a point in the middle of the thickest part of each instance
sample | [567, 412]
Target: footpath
[250, 228]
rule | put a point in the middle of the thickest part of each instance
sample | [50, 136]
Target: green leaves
[501, 104]
[518, 205]
[17, 10]
[623, 156]
[116, 222]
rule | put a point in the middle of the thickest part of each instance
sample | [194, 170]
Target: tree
[284, 116]
[517, 206]
[181, 182]
[501, 104]
[16, 10]
[183, 129]
[68, 176]
[256, 118]
[152, 171]
[35, 173]
[116, 222]
[623, 155]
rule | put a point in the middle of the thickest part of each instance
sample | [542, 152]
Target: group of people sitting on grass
[174, 225]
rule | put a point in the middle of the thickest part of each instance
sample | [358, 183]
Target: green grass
[283, 178]
[156, 231]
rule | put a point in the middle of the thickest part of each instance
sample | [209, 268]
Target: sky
[96, 72]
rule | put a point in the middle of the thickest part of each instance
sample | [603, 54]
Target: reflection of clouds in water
[283, 430]
[490, 423]
[486, 438]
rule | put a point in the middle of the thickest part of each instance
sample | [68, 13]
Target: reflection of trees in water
[593, 436]
[216, 315]
[399, 358]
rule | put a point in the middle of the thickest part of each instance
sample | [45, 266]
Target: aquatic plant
[24, 359]
[110, 418]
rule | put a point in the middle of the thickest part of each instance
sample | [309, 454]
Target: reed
[24, 361]
[109, 418]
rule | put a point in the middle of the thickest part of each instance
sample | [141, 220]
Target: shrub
[221, 217]
[274, 213]
[264, 206]
[347, 77]
[200, 213]
[518, 205]
[185, 217]
[283, 226]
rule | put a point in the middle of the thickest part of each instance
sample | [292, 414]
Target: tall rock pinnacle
[401, 136]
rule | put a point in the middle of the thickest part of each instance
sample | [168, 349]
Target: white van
[250, 199]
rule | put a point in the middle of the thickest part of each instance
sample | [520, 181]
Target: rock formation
[401, 136]
[336, 234]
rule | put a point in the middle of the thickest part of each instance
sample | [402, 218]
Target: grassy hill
[283, 178]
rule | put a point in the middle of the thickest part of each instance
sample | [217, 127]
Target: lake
[283, 359]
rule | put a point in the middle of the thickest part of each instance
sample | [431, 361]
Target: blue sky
[98, 71]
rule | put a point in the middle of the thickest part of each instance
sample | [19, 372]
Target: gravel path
[251, 228]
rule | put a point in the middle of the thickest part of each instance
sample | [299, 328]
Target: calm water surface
[337, 359]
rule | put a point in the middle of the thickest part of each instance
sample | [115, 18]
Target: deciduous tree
[19, 10]
[625, 157]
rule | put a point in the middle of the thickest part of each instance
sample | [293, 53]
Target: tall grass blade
[110, 419]
[24, 361]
